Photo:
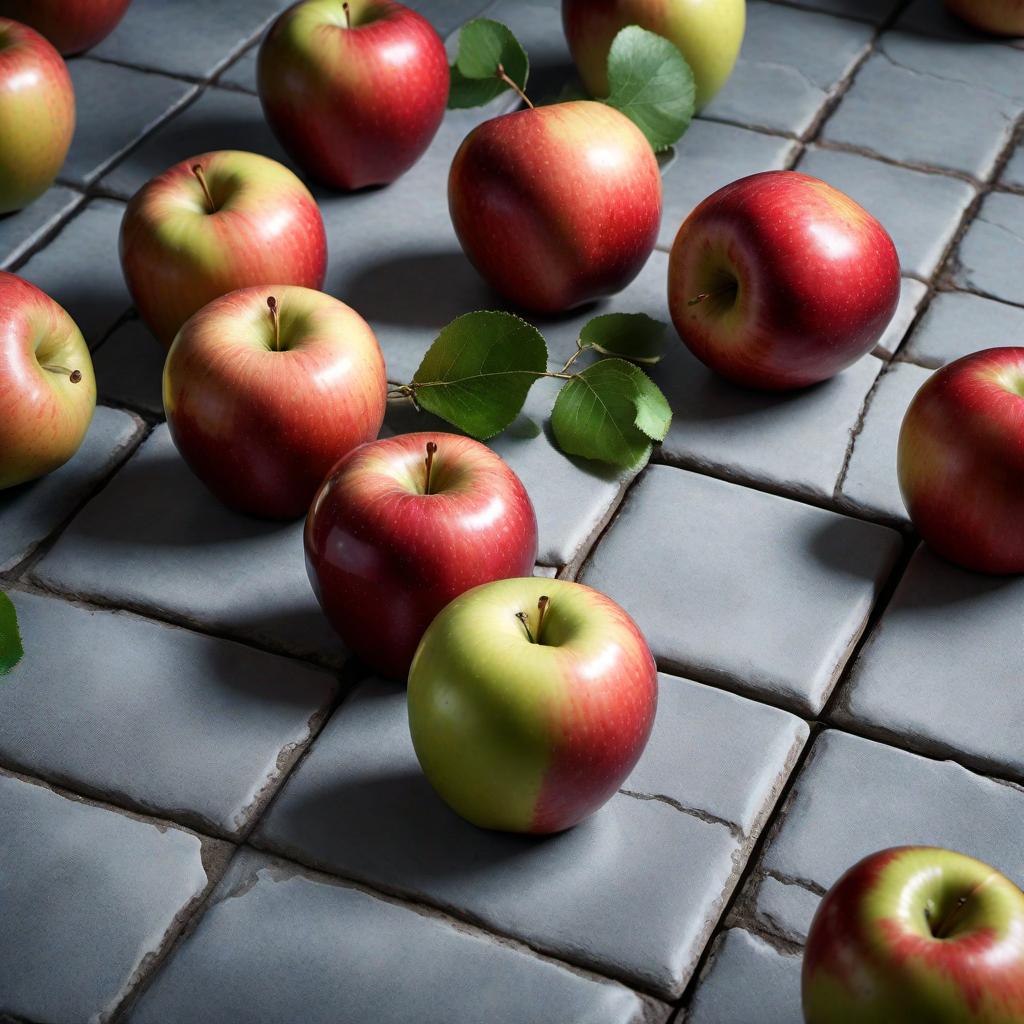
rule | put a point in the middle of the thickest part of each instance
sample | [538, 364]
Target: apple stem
[348, 15]
[542, 607]
[73, 375]
[525, 620]
[704, 296]
[429, 463]
[275, 317]
[503, 75]
[197, 170]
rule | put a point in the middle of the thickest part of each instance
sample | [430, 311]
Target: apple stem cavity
[429, 464]
[503, 75]
[275, 319]
[729, 289]
[944, 928]
[75, 376]
[348, 15]
[197, 170]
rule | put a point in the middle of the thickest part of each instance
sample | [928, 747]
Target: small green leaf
[611, 411]
[11, 651]
[651, 83]
[478, 372]
[483, 46]
[634, 336]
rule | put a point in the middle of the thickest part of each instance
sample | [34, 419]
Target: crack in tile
[694, 812]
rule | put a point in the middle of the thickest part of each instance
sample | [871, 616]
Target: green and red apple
[71, 25]
[1000, 17]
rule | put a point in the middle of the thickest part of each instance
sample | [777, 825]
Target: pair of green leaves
[649, 79]
[11, 651]
[478, 372]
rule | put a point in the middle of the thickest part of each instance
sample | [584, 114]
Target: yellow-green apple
[37, 115]
[71, 25]
[530, 701]
[404, 525]
[213, 224]
[779, 281]
[354, 91]
[961, 461]
[265, 389]
[47, 387]
[917, 935]
[1001, 17]
[707, 32]
[558, 205]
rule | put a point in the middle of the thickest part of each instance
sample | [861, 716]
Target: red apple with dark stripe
[961, 461]
[71, 25]
[530, 701]
[404, 525]
[354, 91]
[780, 281]
[556, 206]
[213, 224]
[917, 935]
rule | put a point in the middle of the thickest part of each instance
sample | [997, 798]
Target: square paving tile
[959, 323]
[166, 720]
[87, 895]
[740, 588]
[156, 540]
[991, 254]
[785, 908]
[31, 512]
[1013, 173]
[791, 62]
[359, 806]
[942, 670]
[130, 368]
[867, 10]
[912, 293]
[20, 231]
[281, 944]
[921, 211]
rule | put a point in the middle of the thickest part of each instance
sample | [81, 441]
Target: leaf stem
[503, 75]
[197, 170]
[580, 349]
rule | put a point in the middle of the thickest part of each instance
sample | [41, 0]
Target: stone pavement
[211, 815]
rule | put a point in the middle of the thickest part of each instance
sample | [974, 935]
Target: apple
[213, 224]
[961, 461]
[47, 386]
[917, 934]
[37, 115]
[779, 281]
[707, 32]
[558, 205]
[354, 91]
[1001, 17]
[404, 525]
[265, 389]
[71, 25]
[530, 701]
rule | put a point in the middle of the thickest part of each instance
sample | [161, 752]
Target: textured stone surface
[991, 254]
[785, 908]
[912, 293]
[958, 323]
[130, 368]
[1013, 173]
[869, 10]
[20, 231]
[743, 589]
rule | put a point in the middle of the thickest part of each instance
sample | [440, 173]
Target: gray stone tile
[991, 254]
[931, 18]
[958, 323]
[31, 512]
[24, 229]
[155, 539]
[447, 15]
[717, 753]
[874, 11]
[242, 73]
[870, 484]
[740, 588]
[921, 211]
[790, 64]
[115, 107]
[634, 890]
[547, 571]
[747, 980]
[949, 641]
[280, 944]
[87, 895]
[155, 716]
[785, 908]
[1013, 173]
[708, 156]
[129, 368]
[80, 269]
[933, 101]
[912, 293]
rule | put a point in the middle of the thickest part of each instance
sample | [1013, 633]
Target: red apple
[47, 387]
[556, 206]
[266, 388]
[404, 525]
[71, 25]
[779, 281]
[37, 115]
[354, 91]
[213, 224]
[917, 935]
[1002, 17]
[961, 461]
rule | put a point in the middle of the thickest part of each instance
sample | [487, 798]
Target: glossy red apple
[71, 25]
[37, 115]
[1001, 17]
[266, 388]
[961, 461]
[213, 224]
[779, 281]
[556, 206]
[404, 525]
[354, 91]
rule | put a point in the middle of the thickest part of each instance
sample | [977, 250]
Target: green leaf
[651, 83]
[11, 651]
[611, 411]
[634, 336]
[478, 372]
[483, 46]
